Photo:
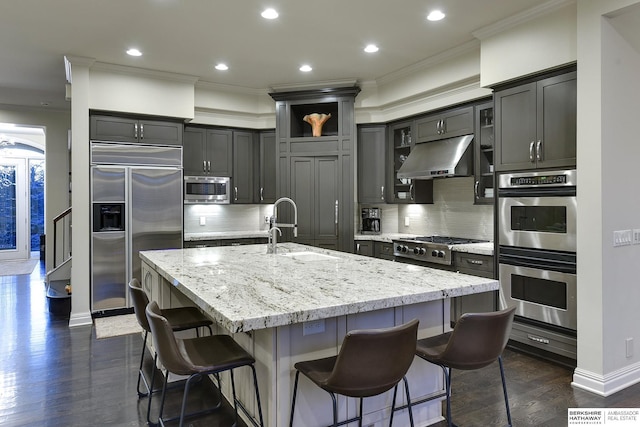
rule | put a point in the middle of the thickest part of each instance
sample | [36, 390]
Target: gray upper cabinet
[483, 156]
[207, 151]
[456, 122]
[535, 124]
[243, 148]
[371, 164]
[123, 129]
[267, 182]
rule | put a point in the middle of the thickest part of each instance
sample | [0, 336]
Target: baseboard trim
[608, 384]
[80, 319]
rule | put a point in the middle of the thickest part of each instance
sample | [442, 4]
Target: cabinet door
[557, 106]
[242, 167]
[399, 143]
[515, 127]
[193, 152]
[219, 152]
[158, 132]
[108, 128]
[268, 156]
[483, 146]
[448, 124]
[314, 187]
[364, 247]
[371, 164]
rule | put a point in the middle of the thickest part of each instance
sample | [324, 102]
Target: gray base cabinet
[536, 124]
[135, 130]
[475, 265]
[364, 247]
[371, 164]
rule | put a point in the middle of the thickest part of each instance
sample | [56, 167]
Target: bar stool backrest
[165, 342]
[373, 361]
[140, 302]
[478, 339]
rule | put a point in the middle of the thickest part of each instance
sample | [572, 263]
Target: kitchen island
[298, 304]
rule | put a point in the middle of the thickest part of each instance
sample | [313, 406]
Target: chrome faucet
[272, 248]
[273, 237]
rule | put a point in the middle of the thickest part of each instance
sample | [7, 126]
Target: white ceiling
[191, 36]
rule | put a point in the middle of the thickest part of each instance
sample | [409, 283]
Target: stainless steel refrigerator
[136, 196]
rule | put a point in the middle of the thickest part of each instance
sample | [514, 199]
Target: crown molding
[470, 46]
[70, 60]
[317, 85]
[219, 87]
[520, 18]
[162, 75]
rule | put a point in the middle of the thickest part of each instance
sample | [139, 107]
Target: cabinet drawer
[474, 264]
[384, 251]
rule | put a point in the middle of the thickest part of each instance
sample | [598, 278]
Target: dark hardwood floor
[53, 375]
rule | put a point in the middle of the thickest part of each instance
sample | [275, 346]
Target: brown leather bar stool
[370, 362]
[180, 319]
[477, 340]
[198, 357]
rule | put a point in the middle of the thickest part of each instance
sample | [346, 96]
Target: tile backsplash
[452, 213]
[230, 217]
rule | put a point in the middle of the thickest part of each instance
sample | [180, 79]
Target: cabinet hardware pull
[531, 151]
[135, 130]
[236, 191]
[443, 127]
[538, 339]
[141, 131]
[475, 261]
[358, 247]
[411, 191]
[539, 151]
[336, 218]
[204, 166]
[261, 193]
[475, 189]
[382, 193]
[208, 165]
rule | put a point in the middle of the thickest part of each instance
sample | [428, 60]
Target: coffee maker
[370, 220]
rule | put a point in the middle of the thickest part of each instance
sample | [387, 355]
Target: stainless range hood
[442, 158]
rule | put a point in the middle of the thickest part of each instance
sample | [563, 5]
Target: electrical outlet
[622, 237]
[636, 236]
[629, 347]
[407, 221]
[266, 219]
[203, 220]
[313, 327]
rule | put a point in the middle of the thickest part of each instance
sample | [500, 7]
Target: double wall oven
[537, 257]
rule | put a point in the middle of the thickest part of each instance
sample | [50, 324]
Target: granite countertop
[485, 248]
[244, 288]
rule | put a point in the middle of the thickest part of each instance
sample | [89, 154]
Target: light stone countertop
[244, 288]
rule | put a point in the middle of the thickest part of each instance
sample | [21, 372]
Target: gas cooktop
[429, 249]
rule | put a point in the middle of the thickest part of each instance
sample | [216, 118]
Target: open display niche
[301, 129]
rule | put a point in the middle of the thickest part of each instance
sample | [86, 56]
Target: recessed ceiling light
[306, 68]
[435, 15]
[221, 67]
[134, 52]
[269, 14]
[371, 48]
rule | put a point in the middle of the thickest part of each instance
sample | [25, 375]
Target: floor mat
[115, 326]
[17, 267]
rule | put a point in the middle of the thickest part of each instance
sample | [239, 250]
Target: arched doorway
[21, 192]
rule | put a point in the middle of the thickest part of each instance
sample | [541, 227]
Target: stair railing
[62, 237]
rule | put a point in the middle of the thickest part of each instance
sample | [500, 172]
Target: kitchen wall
[226, 218]
[451, 214]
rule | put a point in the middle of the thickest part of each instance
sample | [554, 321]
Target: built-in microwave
[207, 189]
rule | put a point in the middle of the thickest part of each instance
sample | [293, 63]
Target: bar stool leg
[406, 390]
[393, 405]
[293, 400]
[153, 376]
[140, 373]
[504, 390]
[255, 385]
[335, 410]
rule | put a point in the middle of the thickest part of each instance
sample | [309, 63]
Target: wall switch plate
[622, 237]
[313, 327]
[629, 347]
[203, 220]
[636, 236]
[407, 221]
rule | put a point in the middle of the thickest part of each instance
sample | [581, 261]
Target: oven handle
[538, 192]
[538, 263]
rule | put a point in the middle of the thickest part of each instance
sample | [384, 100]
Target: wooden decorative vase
[316, 120]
